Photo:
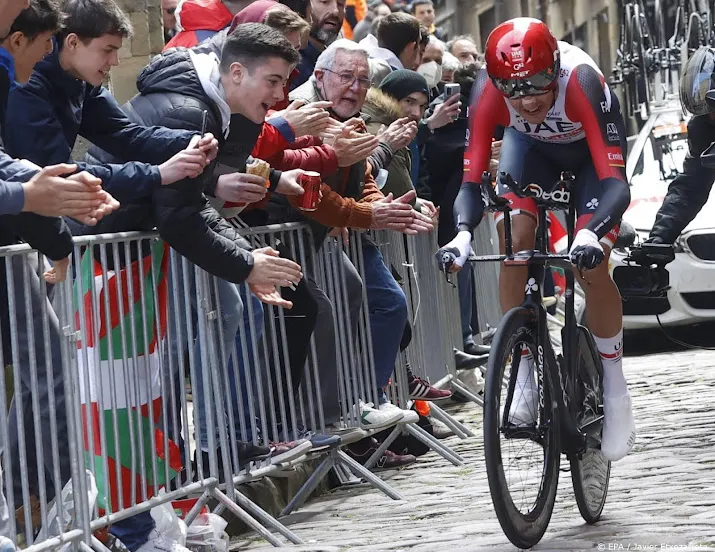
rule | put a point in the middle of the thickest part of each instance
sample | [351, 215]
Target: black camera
[645, 274]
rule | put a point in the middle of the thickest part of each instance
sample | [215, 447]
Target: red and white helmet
[522, 58]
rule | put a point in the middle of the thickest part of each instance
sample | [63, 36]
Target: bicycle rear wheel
[524, 511]
[590, 472]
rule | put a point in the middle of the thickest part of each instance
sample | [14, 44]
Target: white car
[656, 157]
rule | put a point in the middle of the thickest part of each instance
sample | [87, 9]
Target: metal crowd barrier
[110, 427]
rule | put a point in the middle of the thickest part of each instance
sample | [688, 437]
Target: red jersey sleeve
[487, 111]
[586, 103]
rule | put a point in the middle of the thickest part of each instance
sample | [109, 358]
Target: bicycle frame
[573, 441]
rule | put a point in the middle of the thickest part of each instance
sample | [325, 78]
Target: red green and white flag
[133, 438]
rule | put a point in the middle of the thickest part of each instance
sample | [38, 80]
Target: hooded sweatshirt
[199, 20]
[174, 90]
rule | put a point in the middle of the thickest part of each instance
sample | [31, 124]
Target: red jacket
[199, 19]
[307, 153]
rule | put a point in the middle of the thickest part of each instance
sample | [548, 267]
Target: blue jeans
[464, 280]
[21, 406]
[238, 401]
[388, 314]
[231, 298]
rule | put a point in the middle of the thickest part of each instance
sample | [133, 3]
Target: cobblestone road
[662, 495]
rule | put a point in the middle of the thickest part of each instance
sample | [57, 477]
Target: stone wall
[147, 41]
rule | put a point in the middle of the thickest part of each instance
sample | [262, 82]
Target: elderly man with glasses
[342, 77]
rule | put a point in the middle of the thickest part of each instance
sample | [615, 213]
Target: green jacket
[382, 109]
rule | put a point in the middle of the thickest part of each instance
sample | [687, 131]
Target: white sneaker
[159, 543]
[524, 406]
[619, 427]
[408, 416]
[372, 418]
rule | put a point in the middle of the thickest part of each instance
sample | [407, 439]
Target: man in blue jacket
[64, 98]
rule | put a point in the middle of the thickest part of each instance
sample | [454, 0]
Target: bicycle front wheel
[522, 456]
[590, 471]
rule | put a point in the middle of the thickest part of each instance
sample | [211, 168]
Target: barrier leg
[265, 518]
[445, 452]
[459, 428]
[245, 518]
[467, 393]
[383, 447]
[309, 486]
[362, 471]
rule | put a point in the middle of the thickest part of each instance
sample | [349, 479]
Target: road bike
[568, 416]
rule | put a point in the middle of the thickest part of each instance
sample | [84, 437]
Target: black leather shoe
[474, 349]
[464, 361]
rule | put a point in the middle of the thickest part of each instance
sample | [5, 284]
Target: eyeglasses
[347, 79]
[535, 85]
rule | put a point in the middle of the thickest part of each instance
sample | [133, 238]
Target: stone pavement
[662, 495]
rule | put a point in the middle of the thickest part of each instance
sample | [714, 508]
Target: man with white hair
[342, 76]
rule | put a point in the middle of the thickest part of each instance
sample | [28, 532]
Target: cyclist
[559, 116]
[690, 190]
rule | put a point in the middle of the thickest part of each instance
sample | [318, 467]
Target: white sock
[525, 373]
[611, 350]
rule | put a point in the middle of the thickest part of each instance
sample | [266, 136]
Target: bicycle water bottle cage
[492, 202]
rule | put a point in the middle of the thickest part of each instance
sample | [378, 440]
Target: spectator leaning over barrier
[282, 129]
[396, 46]
[383, 109]
[342, 76]
[294, 27]
[27, 43]
[175, 89]
[423, 10]
[64, 98]
[328, 17]
[45, 192]
[22, 47]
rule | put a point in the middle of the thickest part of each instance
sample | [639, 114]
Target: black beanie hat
[403, 82]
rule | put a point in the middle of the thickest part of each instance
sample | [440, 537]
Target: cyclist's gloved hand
[455, 253]
[586, 253]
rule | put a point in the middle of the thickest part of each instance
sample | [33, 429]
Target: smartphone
[204, 116]
[450, 89]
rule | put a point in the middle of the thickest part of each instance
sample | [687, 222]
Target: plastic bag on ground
[57, 526]
[168, 523]
[207, 534]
